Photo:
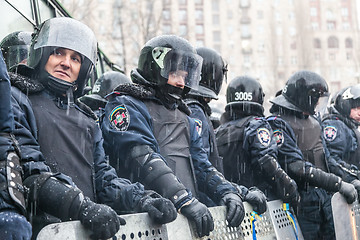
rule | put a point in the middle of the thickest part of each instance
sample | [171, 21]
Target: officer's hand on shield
[257, 200]
[101, 219]
[235, 209]
[348, 191]
[14, 226]
[200, 214]
[356, 184]
[160, 209]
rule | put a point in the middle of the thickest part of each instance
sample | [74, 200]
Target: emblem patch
[198, 125]
[330, 133]
[120, 118]
[263, 135]
[279, 137]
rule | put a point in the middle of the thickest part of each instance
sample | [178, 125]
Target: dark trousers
[314, 214]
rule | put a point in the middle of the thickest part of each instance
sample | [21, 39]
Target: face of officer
[355, 114]
[177, 79]
[64, 64]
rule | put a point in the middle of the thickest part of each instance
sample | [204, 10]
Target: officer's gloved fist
[102, 220]
[356, 184]
[348, 191]
[235, 209]
[257, 200]
[14, 226]
[160, 209]
[200, 214]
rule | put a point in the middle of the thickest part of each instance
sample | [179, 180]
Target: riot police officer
[341, 134]
[15, 48]
[213, 72]
[102, 87]
[245, 142]
[58, 133]
[149, 136]
[13, 224]
[302, 153]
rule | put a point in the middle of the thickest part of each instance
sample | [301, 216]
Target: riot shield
[346, 218]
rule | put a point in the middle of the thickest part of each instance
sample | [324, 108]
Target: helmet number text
[243, 96]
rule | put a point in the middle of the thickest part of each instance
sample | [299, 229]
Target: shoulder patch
[120, 118]
[279, 137]
[263, 135]
[198, 125]
[330, 133]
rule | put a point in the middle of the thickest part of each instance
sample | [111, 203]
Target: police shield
[346, 218]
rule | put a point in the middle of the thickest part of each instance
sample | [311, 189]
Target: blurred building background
[266, 39]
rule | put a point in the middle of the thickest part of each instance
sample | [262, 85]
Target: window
[166, 29]
[317, 43]
[348, 56]
[313, 11]
[293, 45]
[330, 15]
[279, 31]
[348, 43]
[215, 5]
[344, 12]
[166, 14]
[280, 61]
[216, 36]
[216, 19]
[199, 29]
[292, 31]
[260, 14]
[333, 42]
[315, 26]
[183, 30]
[199, 15]
[229, 14]
[291, 15]
[331, 25]
[293, 60]
[317, 56]
[346, 26]
[244, 3]
[245, 31]
[182, 15]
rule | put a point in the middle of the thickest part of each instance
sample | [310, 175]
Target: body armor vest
[214, 156]
[308, 137]
[66, 141]
[355, 156]
[229, 137]
[172, 132]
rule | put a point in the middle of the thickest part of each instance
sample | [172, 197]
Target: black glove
[257, 200]
[200, 214]
[14, 226]
[356, 184]
[102, 220]
[235, 209]
[160, 209]
[348, 191]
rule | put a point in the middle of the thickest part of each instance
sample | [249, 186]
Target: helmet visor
[321, 106]
[172, 61]
[68, 33]
[15, 54]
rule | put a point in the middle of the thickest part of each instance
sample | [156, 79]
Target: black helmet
[346, 99]
[165, 54]
[302, 92]
[245, 90]
[63, 32]
[213, 72]
[104, 86]
[15, 48]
